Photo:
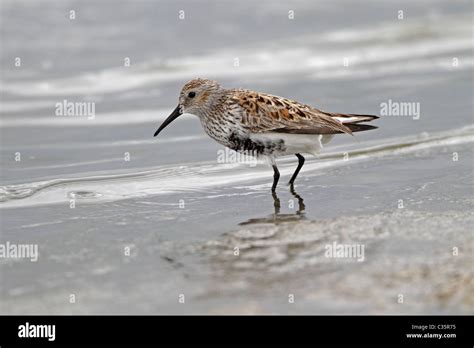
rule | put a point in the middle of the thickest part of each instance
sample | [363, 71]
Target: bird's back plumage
[262, 113]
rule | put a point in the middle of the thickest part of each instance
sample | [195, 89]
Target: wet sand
[281, 243]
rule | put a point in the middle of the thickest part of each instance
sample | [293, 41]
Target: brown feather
[352, 127]
[264, 113]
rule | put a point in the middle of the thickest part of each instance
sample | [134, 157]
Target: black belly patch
[245, 144]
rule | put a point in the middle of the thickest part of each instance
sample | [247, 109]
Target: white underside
[296, 143]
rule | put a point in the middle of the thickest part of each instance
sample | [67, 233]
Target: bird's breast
[228, 131]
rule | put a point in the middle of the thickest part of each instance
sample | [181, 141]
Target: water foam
[203, 175]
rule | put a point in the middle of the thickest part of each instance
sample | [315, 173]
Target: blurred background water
[172, 199]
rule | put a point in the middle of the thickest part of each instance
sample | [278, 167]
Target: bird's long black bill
[174, 115]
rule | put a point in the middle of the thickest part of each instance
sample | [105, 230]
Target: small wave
[203, 175]
[84, 195]
[104, 144]
[100, 119]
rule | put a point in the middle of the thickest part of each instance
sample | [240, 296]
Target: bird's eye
[191, 94]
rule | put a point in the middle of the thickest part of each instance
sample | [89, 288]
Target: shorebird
[261, 124]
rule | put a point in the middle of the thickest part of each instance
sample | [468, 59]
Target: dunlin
[261, 124]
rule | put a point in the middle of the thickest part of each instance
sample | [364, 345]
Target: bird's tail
[352, 121]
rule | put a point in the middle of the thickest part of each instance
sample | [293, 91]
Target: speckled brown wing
[268, 113]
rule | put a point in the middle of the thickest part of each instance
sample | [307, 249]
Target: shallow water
[181, 212]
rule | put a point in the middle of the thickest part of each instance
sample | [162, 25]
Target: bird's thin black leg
[276, 177]
[300, 165]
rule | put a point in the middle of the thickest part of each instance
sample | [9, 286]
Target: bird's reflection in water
[278, 217]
